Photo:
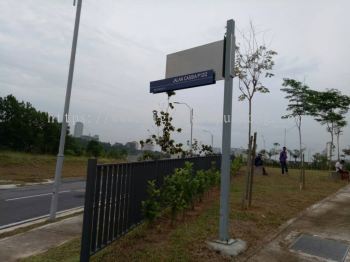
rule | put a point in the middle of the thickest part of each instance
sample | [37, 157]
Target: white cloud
[122, 46]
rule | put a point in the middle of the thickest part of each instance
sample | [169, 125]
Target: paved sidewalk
[40, 239]
[329, 220]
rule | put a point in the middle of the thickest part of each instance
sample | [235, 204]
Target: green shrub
[173, 195]
[151, 207]
[202, 183]
[190, 185]
[206, 180]
[214, 175]
[180, 190]
[236, 165]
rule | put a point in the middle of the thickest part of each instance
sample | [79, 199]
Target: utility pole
[60, 155]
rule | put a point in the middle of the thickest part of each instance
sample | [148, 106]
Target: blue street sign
[181, 82]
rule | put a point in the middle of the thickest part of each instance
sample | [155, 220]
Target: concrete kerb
[40, 239]
[9, 184]
[287, 224]
[38, 220]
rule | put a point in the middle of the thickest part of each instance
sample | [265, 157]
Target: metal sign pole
[60, 155]
[191, 115]
[226, 133]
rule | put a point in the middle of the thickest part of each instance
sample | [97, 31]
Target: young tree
[199, 149]
[298, 95]
[338, 131]
[254, 61]
[330, 107]
[163, 120]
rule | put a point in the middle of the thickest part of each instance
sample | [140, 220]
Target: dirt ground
[276, 199]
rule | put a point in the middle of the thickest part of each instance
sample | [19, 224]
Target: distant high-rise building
[132, 145]
[78, 129]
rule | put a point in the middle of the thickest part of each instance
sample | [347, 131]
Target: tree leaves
[300, 98]
[163, 120]
[250, 66]
[24, 128]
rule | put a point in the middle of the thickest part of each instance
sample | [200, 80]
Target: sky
[122, 46]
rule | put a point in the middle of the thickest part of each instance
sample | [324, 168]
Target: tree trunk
[250, 120]
[301, 157]
[338, 137]
[252, 171]
[249, 153]
[303, 172]
[331, 149]
[247, 183]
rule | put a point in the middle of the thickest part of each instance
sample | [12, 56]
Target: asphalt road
[29, 202]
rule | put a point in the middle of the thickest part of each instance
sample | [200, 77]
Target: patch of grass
[276, 199]
[19, 167]
[68, 252]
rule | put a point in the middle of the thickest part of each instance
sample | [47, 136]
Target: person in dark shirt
[283, 160]
[260, 163]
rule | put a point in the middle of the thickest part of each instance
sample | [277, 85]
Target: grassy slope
[24, 167]
[276, 199]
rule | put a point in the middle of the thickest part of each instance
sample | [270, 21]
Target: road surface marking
[41, 217]
[39, 195]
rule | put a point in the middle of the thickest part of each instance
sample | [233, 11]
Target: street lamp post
[212, 137]
[191, 120]
[60, 155]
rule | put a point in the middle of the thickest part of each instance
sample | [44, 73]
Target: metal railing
[114, 195]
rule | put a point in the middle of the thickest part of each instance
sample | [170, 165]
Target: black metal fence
[114, 193]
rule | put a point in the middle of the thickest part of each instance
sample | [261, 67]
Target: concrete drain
[320, 247]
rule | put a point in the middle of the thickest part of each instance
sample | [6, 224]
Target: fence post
[88, 209]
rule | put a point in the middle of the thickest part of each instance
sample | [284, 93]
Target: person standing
[339, 167]
[259, 163]
[283, 160]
